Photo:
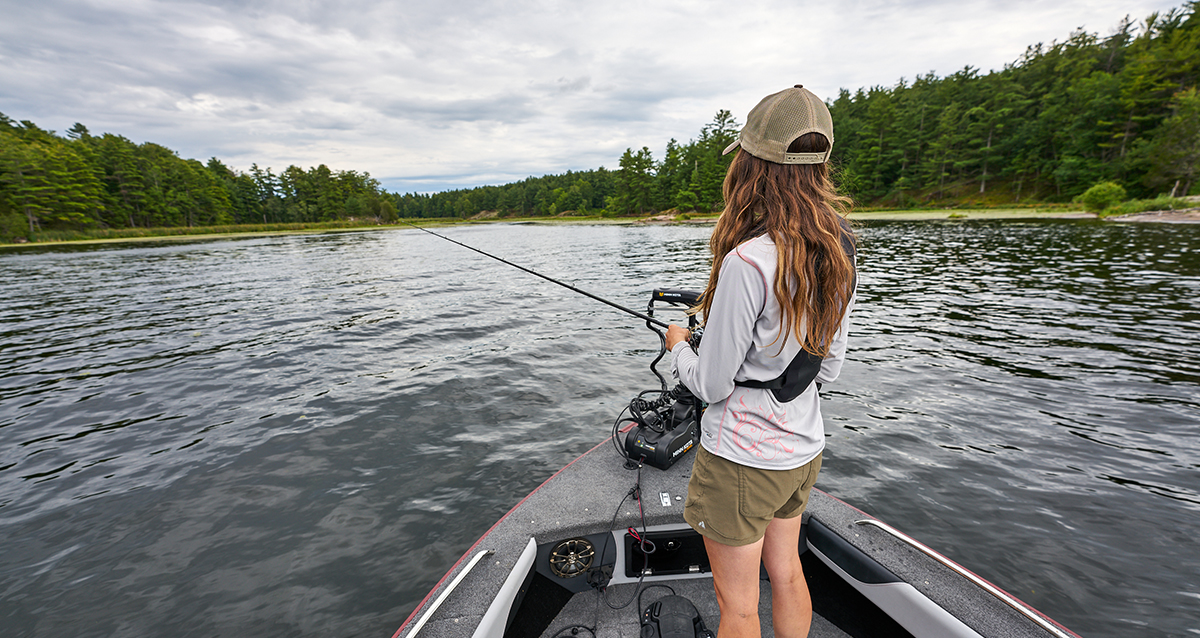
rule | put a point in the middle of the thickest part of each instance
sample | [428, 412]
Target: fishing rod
[585, 293]
[658, 432]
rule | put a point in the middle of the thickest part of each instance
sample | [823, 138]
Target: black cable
[617, 430]
[636, 492]
[595, 619]
[613, 524]
[638, 409]
[662, 352]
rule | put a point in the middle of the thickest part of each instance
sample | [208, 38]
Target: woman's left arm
[728, 332]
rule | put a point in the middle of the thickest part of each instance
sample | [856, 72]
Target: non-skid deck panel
[582, 498]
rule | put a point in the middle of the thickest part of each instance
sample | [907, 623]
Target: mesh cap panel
[778, 120]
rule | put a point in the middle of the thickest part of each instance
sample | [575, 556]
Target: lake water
[298, 435]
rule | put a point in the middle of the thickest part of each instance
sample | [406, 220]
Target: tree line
[1065, 116]
[688, 178]
[81, 180]
[1122, 108]
[107, 181]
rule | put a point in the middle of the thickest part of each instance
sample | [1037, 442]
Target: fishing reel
[662, 425]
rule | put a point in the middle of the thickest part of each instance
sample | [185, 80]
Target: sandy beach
[1185, 216]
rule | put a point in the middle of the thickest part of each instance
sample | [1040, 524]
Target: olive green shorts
[732, 504]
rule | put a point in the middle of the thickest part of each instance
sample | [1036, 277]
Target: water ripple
[298, 435]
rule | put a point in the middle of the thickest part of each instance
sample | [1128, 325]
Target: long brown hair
[799, 207]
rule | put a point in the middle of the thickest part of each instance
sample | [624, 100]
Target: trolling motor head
[664, 428]
[665, 432]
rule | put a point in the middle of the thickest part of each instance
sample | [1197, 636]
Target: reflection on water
[298, 435]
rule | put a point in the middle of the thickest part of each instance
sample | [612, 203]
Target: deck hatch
[675, 552]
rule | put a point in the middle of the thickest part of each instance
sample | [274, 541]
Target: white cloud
[425, 95]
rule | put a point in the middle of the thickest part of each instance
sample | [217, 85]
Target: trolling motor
[665, 423]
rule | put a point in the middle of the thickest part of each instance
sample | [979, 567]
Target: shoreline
[195, 237]
[957, 214]
[952, 214]
[1182, 216]
[1186, 216]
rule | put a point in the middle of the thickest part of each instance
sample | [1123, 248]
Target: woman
[776, 313]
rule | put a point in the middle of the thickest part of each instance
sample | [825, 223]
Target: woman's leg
[791, 606]
[735, 578]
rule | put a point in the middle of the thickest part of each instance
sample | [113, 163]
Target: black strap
[802, 370]
[795, 379]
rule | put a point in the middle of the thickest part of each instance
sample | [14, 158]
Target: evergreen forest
[1121, 107]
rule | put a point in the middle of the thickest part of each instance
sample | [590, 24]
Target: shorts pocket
[759, 496]
[701, 479]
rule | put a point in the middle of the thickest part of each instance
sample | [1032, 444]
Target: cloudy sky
[428, 95]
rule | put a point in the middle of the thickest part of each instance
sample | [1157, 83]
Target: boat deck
[623, 623]
[582, 499]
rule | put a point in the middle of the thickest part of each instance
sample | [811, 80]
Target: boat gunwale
[468, 552]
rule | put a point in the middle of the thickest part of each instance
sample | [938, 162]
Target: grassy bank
[183, 233]
[970, 213]
[1135, 206]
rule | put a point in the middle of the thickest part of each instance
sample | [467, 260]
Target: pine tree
[635, 183]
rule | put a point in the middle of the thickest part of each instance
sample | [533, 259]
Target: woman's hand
[675, 334]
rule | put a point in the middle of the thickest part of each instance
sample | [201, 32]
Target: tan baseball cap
[778, 120]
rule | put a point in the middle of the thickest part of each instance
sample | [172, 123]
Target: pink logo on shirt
[760, 432]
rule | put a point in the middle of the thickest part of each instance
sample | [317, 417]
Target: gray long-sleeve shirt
[742, 341]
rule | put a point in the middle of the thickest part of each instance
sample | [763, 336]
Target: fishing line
[585, 293]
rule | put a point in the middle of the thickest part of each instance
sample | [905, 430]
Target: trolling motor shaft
[675, 297]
